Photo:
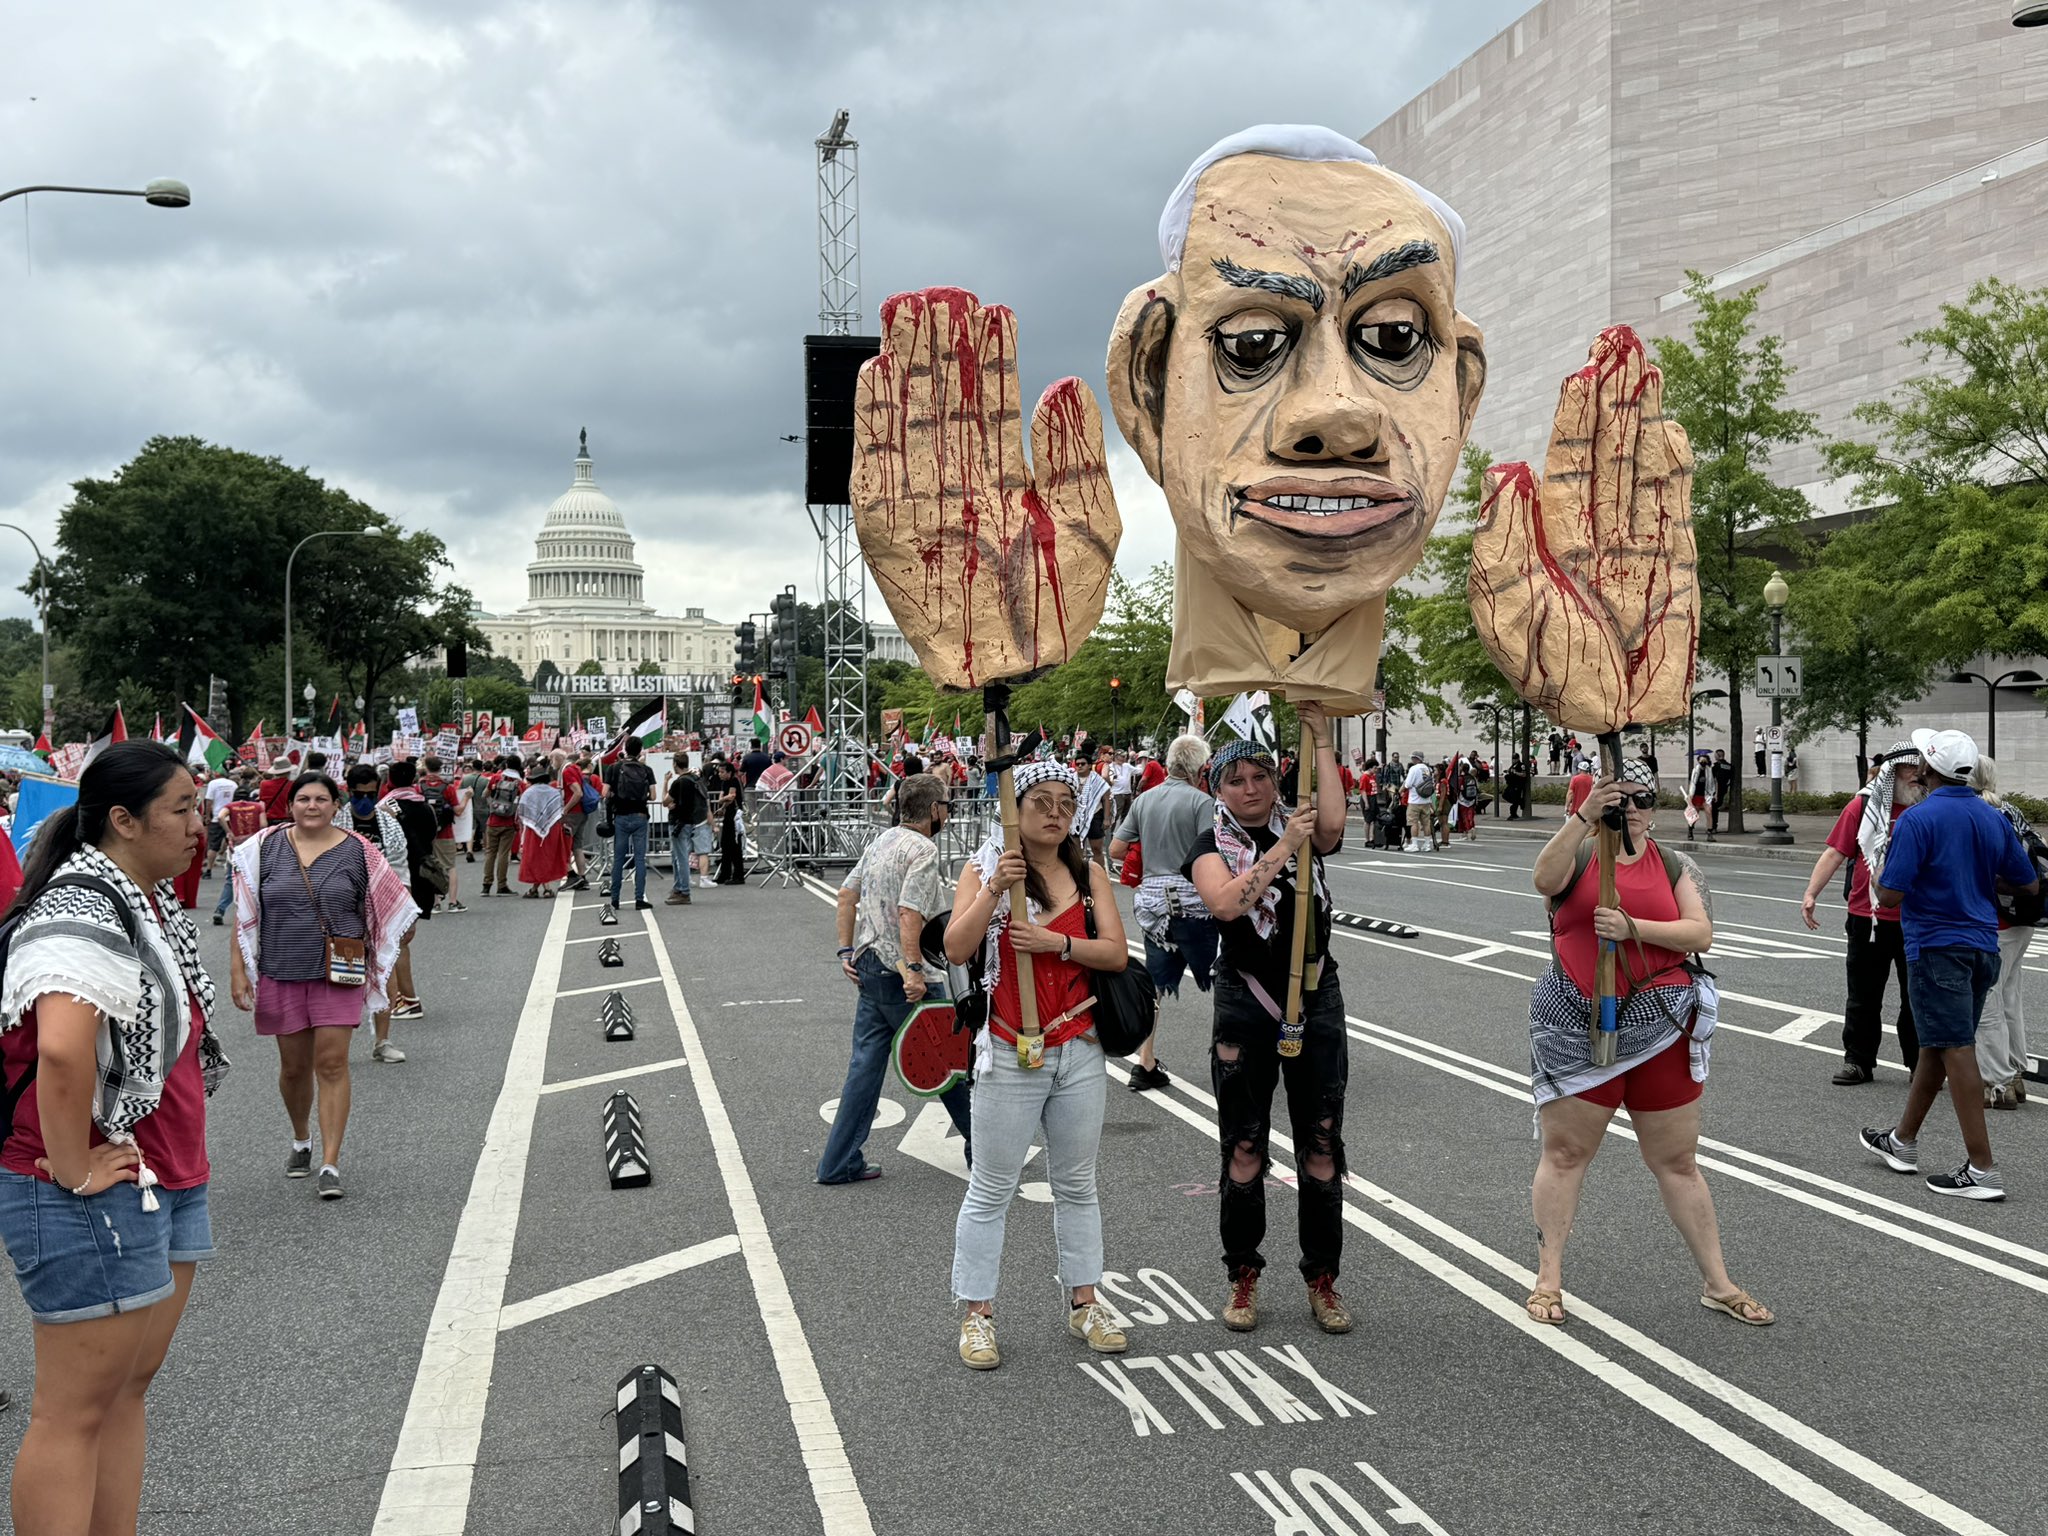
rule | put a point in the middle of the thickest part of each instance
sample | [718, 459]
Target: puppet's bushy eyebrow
[1416, 253]
[1286, 284]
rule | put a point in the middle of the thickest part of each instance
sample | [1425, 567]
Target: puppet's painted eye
[1393, 341]
[1250, 353]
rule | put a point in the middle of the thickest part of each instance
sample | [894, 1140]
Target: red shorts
[1662, 1082]
[287, 1007]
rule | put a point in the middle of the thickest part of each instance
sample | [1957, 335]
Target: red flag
[43, 745]
[811, 719]
[535, 732]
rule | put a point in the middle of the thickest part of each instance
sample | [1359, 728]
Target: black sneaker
[1850, 1073]
[330, 1184]
[1144, 1078]
[1886, 1147]
[1969, 1183]
[643, 906]
[300, 1164]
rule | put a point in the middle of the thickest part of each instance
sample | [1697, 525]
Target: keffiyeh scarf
[540, 808]
[390, 916]
[70, 941]
[1089, 797]
[1874, 832]
[984, 859]
[1240, 852]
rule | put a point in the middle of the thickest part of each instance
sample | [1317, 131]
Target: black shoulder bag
[1126, 1003]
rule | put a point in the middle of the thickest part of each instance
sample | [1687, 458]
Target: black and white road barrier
[1361, 924]
[654, 1474]
[616, 1015]
[625, 1143]
[608, 953]
[609, 917]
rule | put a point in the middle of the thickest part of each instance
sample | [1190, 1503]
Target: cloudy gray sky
[429, 241]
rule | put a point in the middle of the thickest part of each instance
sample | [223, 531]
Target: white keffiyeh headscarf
[1874, 832]
[984, 859]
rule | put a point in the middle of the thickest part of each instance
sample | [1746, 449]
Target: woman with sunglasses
[1662, 914]
[1059, 1098]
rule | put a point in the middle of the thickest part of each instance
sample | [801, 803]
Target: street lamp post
[322, 533]
[1991, 687]
[42, 616]
[311, 693]
[1496, 713]
[1775, 831]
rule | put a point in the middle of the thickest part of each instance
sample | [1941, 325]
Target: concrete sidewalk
[1809, 834]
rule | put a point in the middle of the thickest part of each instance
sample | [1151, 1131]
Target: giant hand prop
[995, 568]
[1585, 589]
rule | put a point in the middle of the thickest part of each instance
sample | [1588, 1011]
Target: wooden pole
[1606, 1034]
[1304, 907]
[1030, 1036]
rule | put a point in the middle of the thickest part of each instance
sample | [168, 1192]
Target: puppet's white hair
[1285, 141]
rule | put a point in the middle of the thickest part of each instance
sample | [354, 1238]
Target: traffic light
[744, 654]
[783, 643]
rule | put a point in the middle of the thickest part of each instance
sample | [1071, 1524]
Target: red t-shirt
[572, 790]
[276, 794]
[1842, 838]
[1152, 777]
[172, 1139]
[1575, 793]
[1644, 892]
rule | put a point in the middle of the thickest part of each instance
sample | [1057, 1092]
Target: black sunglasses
[1643, 800]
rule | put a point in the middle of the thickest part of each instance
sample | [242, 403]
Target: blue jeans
[679, 858]
[227, 894]
[1062, 1100]
[629, 836]
[1948, 985]
[876, 1018]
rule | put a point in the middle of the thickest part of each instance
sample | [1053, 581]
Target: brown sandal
[1539, 1305]
[1741, 1306]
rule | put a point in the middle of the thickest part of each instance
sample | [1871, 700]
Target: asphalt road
[439, 1351]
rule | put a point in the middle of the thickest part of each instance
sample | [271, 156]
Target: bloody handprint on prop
[994, 568]
[1585, 589]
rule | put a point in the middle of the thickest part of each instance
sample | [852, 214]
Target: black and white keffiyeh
[71, 942]
[1874, 832]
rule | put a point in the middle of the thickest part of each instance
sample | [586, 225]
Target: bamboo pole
[1030, 1035]
[1606, 1034]
[1304, 907]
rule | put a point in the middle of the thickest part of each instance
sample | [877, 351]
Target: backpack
[506, 789]
[1427, 789]
[10, 1094]
[589, 798]
[444, 813]
[687, 795]
[2028, 910]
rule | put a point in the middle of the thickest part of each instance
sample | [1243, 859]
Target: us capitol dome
[586, 600]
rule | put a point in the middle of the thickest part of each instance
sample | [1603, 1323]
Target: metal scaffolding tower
[846, 639]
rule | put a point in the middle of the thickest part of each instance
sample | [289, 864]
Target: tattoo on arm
[1699, 884]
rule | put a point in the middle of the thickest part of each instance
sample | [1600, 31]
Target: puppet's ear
[1137, 368]
[1471, 370]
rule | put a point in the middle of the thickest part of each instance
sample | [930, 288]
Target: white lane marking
[1746, 1454]
[833, 1485]
[1483, 952]
[610, 986]
[599, 938]
[1519, 1091]
[1803, 1026]
[597, 1287]
[612, 1077]
[760, 1002]
[426, 1492]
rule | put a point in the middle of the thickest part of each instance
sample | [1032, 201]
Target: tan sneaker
[978, 1342]
[1241, 1312]
[1327, 1307]
[1090, 1321]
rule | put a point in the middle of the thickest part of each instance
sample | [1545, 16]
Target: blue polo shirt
[1946, 853]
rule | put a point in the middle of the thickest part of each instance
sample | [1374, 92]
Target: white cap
[1952, 754]
[1286, 141]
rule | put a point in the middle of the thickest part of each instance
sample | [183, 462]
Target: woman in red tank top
[1660, 917]
[1045, 1086]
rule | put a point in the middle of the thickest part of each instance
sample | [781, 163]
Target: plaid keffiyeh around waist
[1160, 899]
[1561, 1034]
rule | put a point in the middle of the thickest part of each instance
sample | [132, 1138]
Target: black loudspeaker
[831, 369]
[458, 658]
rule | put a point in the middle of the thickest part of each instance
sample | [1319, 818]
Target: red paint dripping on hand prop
[995, 568]
[1585, 588]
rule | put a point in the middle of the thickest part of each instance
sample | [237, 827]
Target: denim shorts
[80, 1259]
[1947, 987]
[1194, 941]
[701, 840]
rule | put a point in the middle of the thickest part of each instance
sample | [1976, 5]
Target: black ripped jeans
[1315, 1110]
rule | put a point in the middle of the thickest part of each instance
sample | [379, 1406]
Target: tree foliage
[1727, 387]
[1437, 623]
[173, 569]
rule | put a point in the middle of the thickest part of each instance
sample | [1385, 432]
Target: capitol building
[585, 598]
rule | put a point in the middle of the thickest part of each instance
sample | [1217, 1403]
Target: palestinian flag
[43, 749]
[207, 751]
[649, 723]
[116, 730]
[764, 722]
[334, 715]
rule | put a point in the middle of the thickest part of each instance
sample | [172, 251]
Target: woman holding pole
[1654, 913]
[1248, 869]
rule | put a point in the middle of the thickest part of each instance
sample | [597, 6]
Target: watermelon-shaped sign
[931, 1053]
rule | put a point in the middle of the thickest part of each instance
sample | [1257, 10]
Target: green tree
[1727, 387]
[591, 667]
[1960, 472]
[647, 668]
[547, 677]
[1437, 623]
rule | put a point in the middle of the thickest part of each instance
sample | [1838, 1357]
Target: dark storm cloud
[428, 243]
